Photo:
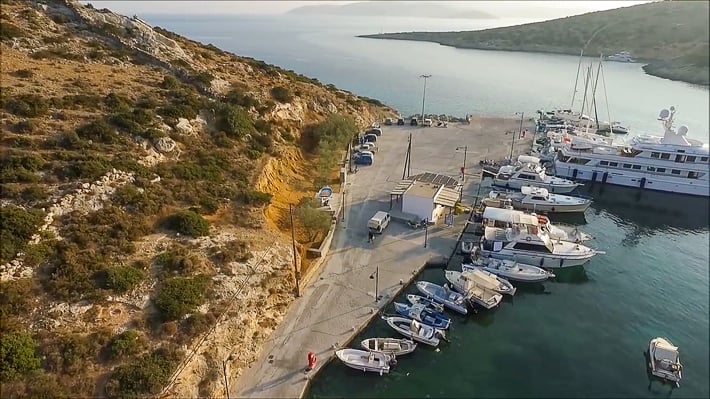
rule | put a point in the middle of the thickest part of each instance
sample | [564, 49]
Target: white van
[379, 222]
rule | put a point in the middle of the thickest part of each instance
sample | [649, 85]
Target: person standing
[370, 236]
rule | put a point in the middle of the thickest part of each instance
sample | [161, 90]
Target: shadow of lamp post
[426, 231]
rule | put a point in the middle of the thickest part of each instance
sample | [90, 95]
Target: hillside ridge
[670, 37]
[146, 180]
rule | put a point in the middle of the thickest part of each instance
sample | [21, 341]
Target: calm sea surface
[582, 335]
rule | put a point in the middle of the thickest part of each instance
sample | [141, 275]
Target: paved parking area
[339, 299]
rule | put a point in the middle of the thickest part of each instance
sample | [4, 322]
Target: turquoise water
[584, 333]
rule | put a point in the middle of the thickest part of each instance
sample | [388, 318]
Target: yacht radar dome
[664, 114]
[683, 130]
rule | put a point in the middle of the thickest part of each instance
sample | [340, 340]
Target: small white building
[427, 197]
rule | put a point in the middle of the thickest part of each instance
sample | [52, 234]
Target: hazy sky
[279, 7]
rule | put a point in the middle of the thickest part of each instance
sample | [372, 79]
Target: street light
[224, 370]
[424, 94]
[426, 231]
[463, 169]
[376, 277]
[519, 132]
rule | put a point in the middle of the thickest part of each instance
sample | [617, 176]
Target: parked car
[368, 147]
[371, 137]
[388, 122]
[363, 158]
[400, 122]
[414, 122]
[375, 131]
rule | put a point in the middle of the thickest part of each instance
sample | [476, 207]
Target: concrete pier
[340, 299]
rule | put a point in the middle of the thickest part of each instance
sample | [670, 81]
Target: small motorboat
[664, 361]
[415, 330]
[430, 303]
[421, 313]
[491, 281]
[474, 291]
[509, 269]
[450, 299]
[467, 247]
[324, 195]
[376, 362]
[390, 346]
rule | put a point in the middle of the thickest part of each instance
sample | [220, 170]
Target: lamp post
[224, 371]
[519, 132]
[376, 277]
[296, 273]
[424, 93]
[426, 231]
[463, 169]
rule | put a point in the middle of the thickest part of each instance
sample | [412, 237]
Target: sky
[280, 7]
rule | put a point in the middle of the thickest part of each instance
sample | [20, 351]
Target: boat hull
[629, 178]
[552, 208]
[389, 346]
[430, 303]
[542, 261]
[516, 184]
[673, 377]
[401, 325]
[424, 316]
[350, 360]
[518, 277]
[460, 308]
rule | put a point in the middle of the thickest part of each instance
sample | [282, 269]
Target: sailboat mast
[606, 100]
[576, 79]
[584, 98]
[594, 93]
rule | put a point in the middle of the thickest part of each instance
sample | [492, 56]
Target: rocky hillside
[670, 36]
[145, 184]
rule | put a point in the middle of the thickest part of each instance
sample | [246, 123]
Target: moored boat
[415, 330]
[664, 360]
[430, 303]
[376, 362]
[324, 195]
[450, 299]
[420, 313]
[474, 291]
[536, 199]
[510, 269]
[390, 346]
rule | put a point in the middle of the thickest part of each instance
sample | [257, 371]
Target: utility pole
[407, 158]
[342, 206]
[424, 94]
[426, 231]
[376, 277]
[519, 132]
[296, 273]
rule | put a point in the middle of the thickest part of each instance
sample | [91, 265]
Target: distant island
[394, 8]
[670, 37]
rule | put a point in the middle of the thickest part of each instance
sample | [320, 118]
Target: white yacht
[673, 163]
[529, 245]
[622, 56]
[503, 218]
[536, 199]
[514, 177]
[664, 361]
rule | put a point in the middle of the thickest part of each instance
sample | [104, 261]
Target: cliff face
[143, 181]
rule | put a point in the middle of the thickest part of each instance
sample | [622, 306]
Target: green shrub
[15, 297]
[34, 193]
[178, 259]
[18, 355]
[70, 354]
[147, 376]
[179, 296]
[70, 141]
[27, 105]
[196, 325]
[189, 223]
[121, 279]
[148, 101]
[333, 133]
[205, 78]
[281, 94]
[170, 82]
[234, 121]
[23, 73]
[315, 221]
[116, 102]
[98, 130]
[133, 122]
[239, 98]
[126, 344]
[234, 251]
[255, 198]
[26, 126]
[17, 227]
[17, 167]
[9, 31]
[373, 101]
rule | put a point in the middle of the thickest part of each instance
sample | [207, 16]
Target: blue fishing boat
[324, 195]
[449, 298]
[430, 303]
[423, 315]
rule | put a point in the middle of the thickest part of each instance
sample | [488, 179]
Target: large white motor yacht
[504, 218]
[528, 244]
[536, 199]
[673, 163]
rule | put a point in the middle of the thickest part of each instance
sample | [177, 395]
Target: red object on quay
[311, 360]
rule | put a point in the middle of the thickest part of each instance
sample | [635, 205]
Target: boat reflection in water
[650, 211]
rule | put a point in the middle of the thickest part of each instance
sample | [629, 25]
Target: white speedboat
[390, 346]
[673, 163]
[533, 247]
[415, 330]
[664, 360]
[536, 199]
[474, 289]
[514, 177]
[376, 362]
[503, 218]
[510, 269]
[493, 282]
[622, 56]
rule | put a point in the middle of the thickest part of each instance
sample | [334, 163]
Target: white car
[368, 146]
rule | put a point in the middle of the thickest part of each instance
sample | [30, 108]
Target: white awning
[401, 187]
[509, 216]
[447, 197]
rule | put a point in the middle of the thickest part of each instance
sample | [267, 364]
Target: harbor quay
[358, 278]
